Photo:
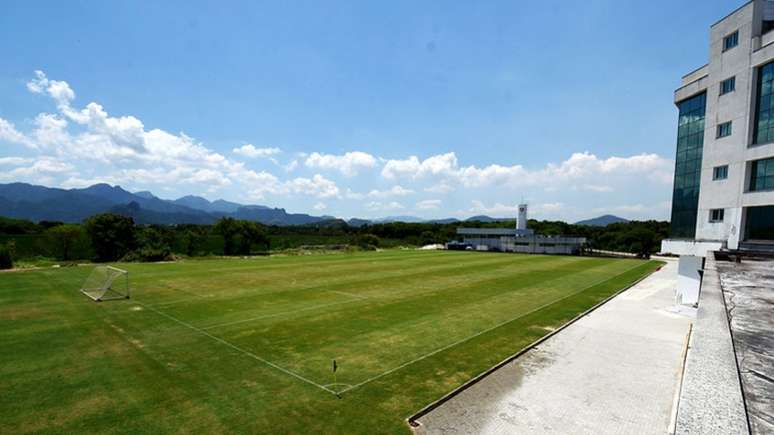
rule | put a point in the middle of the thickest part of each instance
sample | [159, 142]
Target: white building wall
[741, 62]
[730, 150]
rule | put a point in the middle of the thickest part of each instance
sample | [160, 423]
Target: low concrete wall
[711, 397]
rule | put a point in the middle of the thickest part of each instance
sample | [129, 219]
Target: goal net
[106, 283]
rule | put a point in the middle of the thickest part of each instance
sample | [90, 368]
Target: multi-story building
[723, 194]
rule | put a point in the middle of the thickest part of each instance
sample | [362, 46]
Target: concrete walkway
[614, 371]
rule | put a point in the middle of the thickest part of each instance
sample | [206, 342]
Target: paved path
[749, 291]
[614, 371]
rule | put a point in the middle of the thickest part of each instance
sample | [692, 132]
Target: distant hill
[36, 203]
[145, 216]
[217, 206]
[484, 218]
[356, 222]
[275, 216]
[602, 221]
[407, 219]
[443, 221]
[145, 194]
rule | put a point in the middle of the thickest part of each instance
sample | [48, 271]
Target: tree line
[112, 237]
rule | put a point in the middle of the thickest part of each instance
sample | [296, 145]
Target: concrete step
[766, 246]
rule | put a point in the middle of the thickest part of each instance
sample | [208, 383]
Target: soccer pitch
[246, 345]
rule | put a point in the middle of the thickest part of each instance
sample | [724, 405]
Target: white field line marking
[281, 313]
[239, 349]
[448, 346]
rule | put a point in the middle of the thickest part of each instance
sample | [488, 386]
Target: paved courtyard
[614, 371]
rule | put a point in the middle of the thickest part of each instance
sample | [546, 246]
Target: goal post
[106, 283]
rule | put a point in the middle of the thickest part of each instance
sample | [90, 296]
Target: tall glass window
[764, 111]
[690, 142]
[762, 175]
[760, 223]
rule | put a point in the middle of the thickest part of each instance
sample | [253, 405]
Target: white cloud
[441, 188]
[550, 209]
[442, 164]
[497, 209]
[14, 161]
[637, 211]
[261, 183]
[251, 151]
[136, 155]
[58, 90]
[9, 133]
[320, 206]
[597, 188]
[382, 206]
[348, 164]
[317, 186]
[580, 167]
[396, 190]
[42, 167]
[428, 204]
[77, 182]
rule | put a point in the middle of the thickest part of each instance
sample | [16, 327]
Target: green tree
[6, 256]
[154, 244]
[229, 228]
[194, 240]
[64, 238]
[641, 241]
[250, 233]
[112, 236]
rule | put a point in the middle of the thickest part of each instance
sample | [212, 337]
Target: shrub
[368, 241]
[149, 254]
[6, 257]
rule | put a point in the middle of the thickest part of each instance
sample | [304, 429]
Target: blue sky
[362, 109]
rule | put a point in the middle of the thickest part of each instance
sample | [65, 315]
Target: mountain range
[39, 203]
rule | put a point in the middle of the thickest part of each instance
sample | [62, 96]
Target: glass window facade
[728, 85]
[731, 41]
[720, 172]
[764, 109]
[762, 175]
[716, 215]
[759, 224]
[724, 129]
[690, 143]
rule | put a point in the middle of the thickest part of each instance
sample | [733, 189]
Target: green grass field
[246, 345]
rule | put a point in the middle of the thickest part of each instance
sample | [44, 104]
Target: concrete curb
[711, 399]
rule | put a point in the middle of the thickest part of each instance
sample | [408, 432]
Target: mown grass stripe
[499, 325]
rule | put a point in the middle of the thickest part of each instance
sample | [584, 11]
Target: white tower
[521, 222]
